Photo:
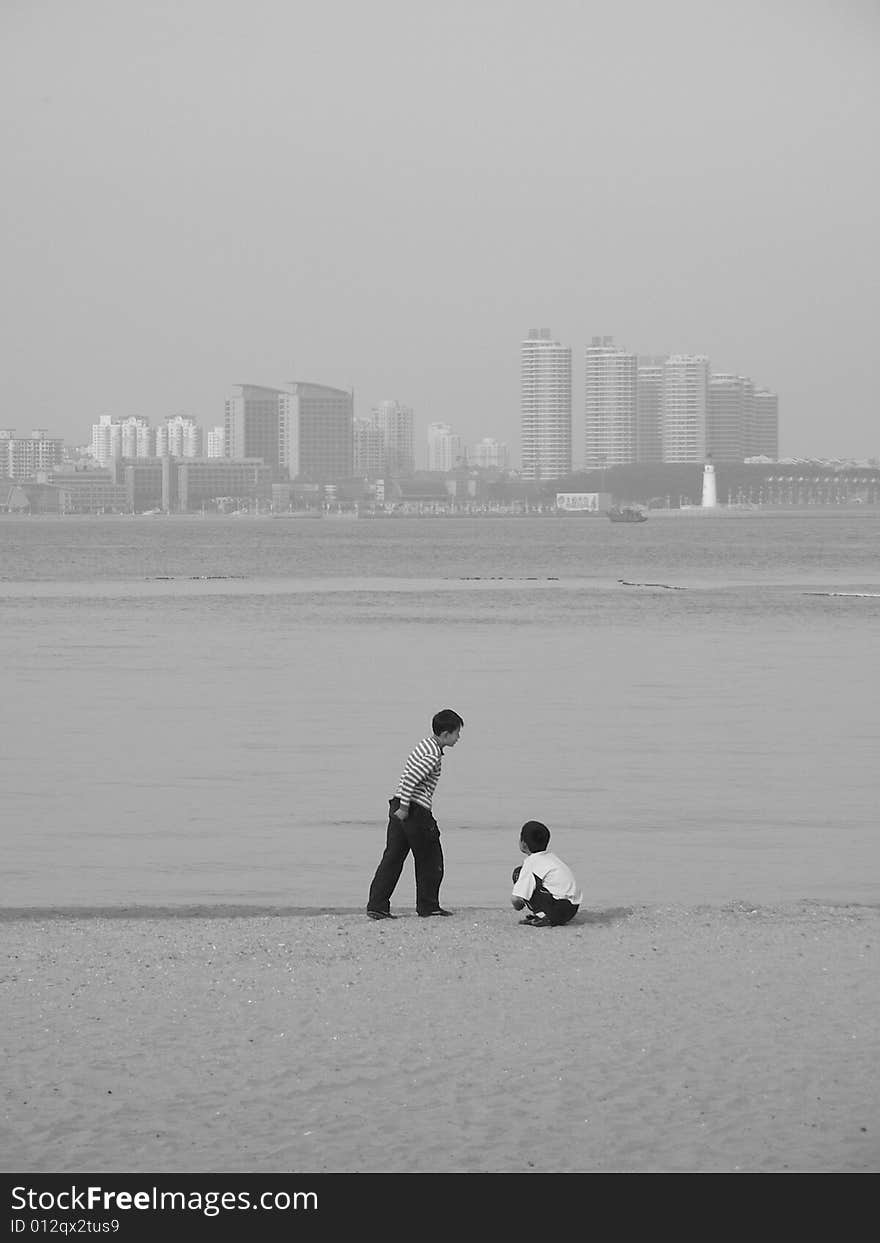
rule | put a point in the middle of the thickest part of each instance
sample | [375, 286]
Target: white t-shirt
[556, 877]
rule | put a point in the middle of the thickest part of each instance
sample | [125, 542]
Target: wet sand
[659, 1038]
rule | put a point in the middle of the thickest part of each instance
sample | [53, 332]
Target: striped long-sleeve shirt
[420, 775]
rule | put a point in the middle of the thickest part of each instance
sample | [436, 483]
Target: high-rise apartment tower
[762, 438]
[685, 395]
[545, 406]
[395, 422]
[369, 449]
[609, 404]
[446, 449]
[729, 415]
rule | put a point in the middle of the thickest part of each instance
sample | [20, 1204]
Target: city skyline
[581, 433]
[721, 213]
[623, 420]
[637, 409]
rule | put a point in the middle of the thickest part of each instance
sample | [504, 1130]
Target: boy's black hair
[445, 721]
[535, 835]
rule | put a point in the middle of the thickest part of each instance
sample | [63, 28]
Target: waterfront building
[395, 422]
[649, 408]
[142, 480]
[490, 454]
[729, 415]
[369, 449]
[446, 449]
[183, 437]
[88, 492]
[136, 438]
[257, 425]
[145, 440]
[685, 395]
[545, 406]
[106, 442]
[321, 435]
[113, 439]
[610, 384]
[215, 442]
[22, 456]
[189, 483]
[762, 436]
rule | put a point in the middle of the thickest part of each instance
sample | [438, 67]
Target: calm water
[216, 711]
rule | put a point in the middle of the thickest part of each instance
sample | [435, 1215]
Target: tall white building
[135, 437]
[132, 437]
[685, 396]
[395, 422]
[446, 449]
[215, 442]
[106, 443]
[369, 449]
[609, 404]
[545, 406]
[183, 437]
[490, 454]
[145, 440]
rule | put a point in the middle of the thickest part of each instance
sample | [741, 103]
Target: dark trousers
[558, 910]
[417, 833]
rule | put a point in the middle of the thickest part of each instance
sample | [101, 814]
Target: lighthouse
[710, 496]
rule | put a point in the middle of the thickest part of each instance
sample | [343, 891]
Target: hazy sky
[386, 195]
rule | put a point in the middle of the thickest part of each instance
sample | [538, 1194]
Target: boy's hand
[402, 813]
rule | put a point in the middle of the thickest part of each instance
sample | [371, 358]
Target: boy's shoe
[439, 911]
[381, 915]
[536, 921]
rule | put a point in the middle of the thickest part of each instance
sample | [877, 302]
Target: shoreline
[722, 510]
[242, 910]
[635, 1039]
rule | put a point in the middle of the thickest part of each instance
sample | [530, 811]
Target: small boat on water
[627, 513]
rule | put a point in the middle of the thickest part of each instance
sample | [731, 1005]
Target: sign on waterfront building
[583, 502]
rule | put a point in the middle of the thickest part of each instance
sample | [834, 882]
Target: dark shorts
[558, 910]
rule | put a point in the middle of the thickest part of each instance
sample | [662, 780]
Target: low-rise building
[192, 483]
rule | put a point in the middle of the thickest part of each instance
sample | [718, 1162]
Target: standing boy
[544, 883]
[411, 824]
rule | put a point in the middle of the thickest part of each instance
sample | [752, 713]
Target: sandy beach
[648, 1039]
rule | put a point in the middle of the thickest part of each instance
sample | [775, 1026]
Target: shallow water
[216, 711]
